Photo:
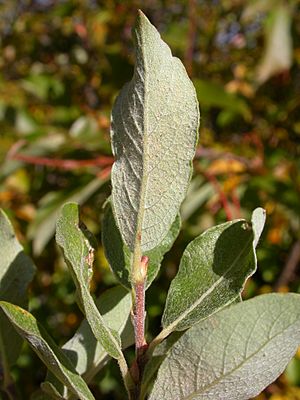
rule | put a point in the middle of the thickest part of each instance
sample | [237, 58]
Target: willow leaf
[16, 272]
[52, 356]
[86, 354]
[154, 133]
[79, 253]
[234, 354]
[212, 272]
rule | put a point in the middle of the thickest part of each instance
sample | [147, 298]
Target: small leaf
[119, 256]
[211, 94]
[278, 52]
[16, 272]
[234, 354]
[79, 255]
[212, 273]
[51, 355]
[154, 133]
[199, 192]
[258, 222]
[42, 228]
[86, 354]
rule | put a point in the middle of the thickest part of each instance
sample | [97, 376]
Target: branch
[192, 34]
[289, 269]
[222, 196]
[67, 164]
[212, 154]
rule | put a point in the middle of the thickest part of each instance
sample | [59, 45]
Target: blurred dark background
[61, 65]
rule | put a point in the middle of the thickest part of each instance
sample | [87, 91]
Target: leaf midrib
[144, 179]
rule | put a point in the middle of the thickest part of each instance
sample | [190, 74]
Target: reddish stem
[139, 318]
[223, 199]
[141, 346]
[104, 173]
[236, 201]
[139, 310]
[192, 34]
[67, 164]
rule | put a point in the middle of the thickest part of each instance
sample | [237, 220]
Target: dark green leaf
[212, 273]
[16, 272]
[214, 95]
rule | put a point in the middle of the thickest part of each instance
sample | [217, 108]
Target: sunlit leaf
[52, 356]
[234, 354]
[78, 252]
[87, 355]
[212, 272]
[278, 47]
[154, 133]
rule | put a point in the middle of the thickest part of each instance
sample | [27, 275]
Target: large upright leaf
[86, 354]
[119, 256]
[154, 132]
[28, 327]
[16, 272]
[212, 272]
[234, 354]
[79, 255]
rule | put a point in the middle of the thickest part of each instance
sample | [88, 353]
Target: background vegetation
[62, 63]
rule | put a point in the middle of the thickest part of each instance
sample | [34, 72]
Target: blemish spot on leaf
[247, 226]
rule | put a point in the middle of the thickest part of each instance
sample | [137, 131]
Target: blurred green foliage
[61, 65]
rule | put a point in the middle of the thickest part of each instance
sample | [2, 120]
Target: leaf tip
[142, 21]
[258, 220]
[70, 206]
[69, 211]
[140, 13]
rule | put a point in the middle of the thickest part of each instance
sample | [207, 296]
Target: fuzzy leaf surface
[86, 354]
[155, 361]
[234, 354]
[119, 256]
[52, 356]
[78, 251]
[154, 133]
[16, 272]
[212, 273]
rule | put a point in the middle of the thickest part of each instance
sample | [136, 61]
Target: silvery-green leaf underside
[154, 133]
[234, 354]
